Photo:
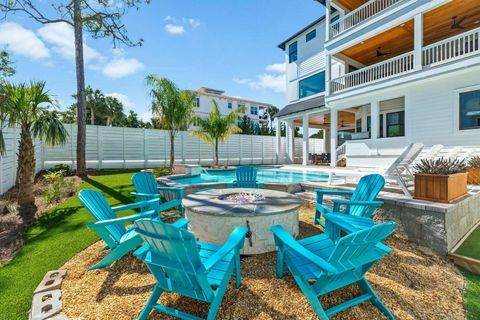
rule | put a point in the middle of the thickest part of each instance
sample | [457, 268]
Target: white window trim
[456, 111]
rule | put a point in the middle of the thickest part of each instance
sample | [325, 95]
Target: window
[230, 105]
[241, 105]
[254, 110]
[359, 125]
[292, 52]
[198, 102]
[380, 134]
[311, 35]
[312, 85]
[469, 110]
[396, 124]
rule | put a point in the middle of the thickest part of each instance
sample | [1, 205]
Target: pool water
[264, 174]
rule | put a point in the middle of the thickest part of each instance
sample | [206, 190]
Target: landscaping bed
[413, 283]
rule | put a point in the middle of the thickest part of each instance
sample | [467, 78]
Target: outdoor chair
[111, 229]
[189, 268]
[361, 203]
[322, 264]
[146, 188]
[246, 177]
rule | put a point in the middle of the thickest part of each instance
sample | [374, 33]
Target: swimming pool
[264, 174]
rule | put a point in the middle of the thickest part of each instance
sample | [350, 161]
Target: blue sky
[224, 44]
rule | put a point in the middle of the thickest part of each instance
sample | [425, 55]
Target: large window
[469, 110]
[230, 104]
[254, 110]
[292, 52]
[312, 85]
[241, 106]
[311, 35]
[396, 124]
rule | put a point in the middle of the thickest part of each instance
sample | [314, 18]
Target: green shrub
[63, 168]
[474, 162]
[161, 171]
[442, 166]
[58, 186]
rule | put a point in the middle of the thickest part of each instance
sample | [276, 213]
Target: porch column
[328, 73]
[326, 140]
[364, 118]
[278, 141]
[418, 41]
[333, 137]
[290, 142]
[375, 115]
[306, 150]
[327, 19]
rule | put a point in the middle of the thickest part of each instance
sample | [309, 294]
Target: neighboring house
[255, 110]
[396, 71]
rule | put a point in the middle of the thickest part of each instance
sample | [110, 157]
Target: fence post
[99, 148]
[123, 146]
[145, 148]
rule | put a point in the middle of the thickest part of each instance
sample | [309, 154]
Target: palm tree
[174, 108]
[27, 106]
[216, 128]
[271, 111]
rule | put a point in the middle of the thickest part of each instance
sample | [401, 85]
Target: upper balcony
[439, 37]
[356, 13]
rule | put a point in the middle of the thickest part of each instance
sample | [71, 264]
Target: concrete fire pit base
[212, 218]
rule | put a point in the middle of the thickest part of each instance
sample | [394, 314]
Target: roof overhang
[302, 106]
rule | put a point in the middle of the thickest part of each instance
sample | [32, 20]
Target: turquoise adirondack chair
[246, 177]
[361, 203]
[146, 188]
[111, 229]
[182, 265]
[321, 264]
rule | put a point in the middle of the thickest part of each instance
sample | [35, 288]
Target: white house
[396, 71]
[255, 110]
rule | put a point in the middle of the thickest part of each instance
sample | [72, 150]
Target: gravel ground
[412, 283]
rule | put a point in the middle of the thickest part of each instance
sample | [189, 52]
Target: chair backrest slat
[177, 266]
[98, 207]
[246, 177]
[145, 182]
[367, 189]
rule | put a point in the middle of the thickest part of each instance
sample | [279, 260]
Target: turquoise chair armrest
[234, 242]
[102, 223]
[281, 235]
[334, 192]
[168, 205]
[181, 223]
[337, 203]
[136, 205]
[145, 195]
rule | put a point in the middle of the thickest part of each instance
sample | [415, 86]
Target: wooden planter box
[473, 175]
[440, 188]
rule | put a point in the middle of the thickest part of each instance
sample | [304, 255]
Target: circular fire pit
[214, 214]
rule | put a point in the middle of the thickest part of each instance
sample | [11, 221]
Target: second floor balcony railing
[383, 70]
[360, 14]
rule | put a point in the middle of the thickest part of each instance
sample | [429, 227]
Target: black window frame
[311, 35]
[401, 124]
[300, 95]
[293, 52]
[476, 118]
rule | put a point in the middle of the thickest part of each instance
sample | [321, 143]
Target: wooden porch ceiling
[320, 121]
[350, 4]
[454, 18]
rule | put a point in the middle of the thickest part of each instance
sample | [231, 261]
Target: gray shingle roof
[296, 107]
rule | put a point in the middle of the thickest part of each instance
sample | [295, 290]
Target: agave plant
[474, 162]
[441, 166]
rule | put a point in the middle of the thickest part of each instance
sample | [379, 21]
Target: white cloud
[145, 116]
[194, 23]
[22, 41]
[276, 67]
[121, 67]
[274, 79]
[61, 37]
[174, 29]
[127, 103]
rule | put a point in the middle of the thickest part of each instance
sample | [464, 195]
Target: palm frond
[231, 130]
[50, 129]
[204, 136]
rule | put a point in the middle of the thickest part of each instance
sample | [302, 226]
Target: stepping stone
[46, 305]
[51, 281]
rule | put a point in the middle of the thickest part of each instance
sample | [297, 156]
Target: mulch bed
[412, 283]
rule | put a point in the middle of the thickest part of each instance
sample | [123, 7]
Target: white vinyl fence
[112, 147]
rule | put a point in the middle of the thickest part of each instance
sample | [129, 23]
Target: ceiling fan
[457, 24]
[382, 54]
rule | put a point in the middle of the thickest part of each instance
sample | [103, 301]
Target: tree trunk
[26, 168]
[92, 117]
[172, 152]
[81, 103]
[215, 158]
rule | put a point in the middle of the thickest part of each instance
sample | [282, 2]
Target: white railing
[452, 48]
[341, 152]
[359, 15]
[387, 69]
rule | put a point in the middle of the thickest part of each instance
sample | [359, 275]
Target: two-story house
[255, 110]
[396, 72]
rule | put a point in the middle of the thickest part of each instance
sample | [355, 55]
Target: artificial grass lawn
[54, 239]
[472, 295]
[471, 246]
